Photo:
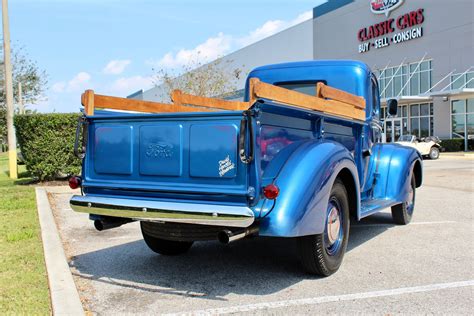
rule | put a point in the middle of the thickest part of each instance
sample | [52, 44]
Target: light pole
[9, 93]
[21, 107]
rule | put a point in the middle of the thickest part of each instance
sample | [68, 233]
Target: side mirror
[392, 106]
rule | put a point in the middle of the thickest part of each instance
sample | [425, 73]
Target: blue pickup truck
[301, 157]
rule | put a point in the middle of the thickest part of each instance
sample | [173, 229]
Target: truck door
[373, 132]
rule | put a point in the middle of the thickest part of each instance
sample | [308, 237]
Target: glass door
[393, 129]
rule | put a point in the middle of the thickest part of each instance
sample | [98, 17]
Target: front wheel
[402, 213]
[434, 152]
[322, 254]
[164, 246]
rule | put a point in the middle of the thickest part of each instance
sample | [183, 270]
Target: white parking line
[432, 223]
[412, 223]
[125, 237]
[327, 299]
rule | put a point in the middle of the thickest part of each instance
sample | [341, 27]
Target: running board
[372, 206]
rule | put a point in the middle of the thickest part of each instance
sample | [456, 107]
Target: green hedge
[47, 143]
[457, 144]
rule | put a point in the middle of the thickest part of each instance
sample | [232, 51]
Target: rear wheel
[164, 246]
[322, 254]
[402, 213]
[434, 152]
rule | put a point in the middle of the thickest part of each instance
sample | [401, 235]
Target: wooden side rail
[327, 99]
[327, 92]
[181, 103]
[91, 101]
[260, 89]
[181, 98]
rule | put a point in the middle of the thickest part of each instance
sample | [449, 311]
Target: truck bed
[200, 158]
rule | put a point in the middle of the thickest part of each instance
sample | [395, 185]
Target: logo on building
[384, 6]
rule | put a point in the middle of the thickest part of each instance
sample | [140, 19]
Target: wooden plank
[252, 96]
[286, 96]
[176, 97]
[124, 104]
[318, 89]
[87, 100]
[181, 98]
[328, 92]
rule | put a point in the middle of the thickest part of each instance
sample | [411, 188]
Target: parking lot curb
[64, 296]
[457, 155]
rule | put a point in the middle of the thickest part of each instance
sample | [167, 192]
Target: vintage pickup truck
[300, 157]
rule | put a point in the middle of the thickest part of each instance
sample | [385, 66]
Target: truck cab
[301, 157]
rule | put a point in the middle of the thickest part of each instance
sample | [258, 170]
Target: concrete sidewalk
[458, 154]
[64, 296]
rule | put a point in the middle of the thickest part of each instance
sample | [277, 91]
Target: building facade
[421, 51]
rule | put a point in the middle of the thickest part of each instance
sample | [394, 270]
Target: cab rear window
[306, 87]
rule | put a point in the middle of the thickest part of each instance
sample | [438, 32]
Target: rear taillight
[74, 182]
[271, 191]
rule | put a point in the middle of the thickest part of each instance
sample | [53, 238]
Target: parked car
[429, 146]
[282, 163]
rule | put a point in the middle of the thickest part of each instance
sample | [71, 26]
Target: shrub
[47, 144]
[451, 145]
[457, 144]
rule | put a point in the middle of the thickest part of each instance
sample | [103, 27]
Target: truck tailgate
[186, 153]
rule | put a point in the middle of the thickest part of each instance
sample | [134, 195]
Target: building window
[420, 81]
[462, 118]
[417, 119]
[421, 119]
[393, 79]
[459, 81]
[403, 113]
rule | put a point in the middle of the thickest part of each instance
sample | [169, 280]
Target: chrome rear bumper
[190, 213]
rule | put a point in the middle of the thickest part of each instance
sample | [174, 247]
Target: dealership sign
[384, 6]
[391, 31]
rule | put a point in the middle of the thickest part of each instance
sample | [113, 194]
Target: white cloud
[77, 83]
[271, 27]
[212, 48]
[116, 67]
[127, 85]
[267, 29]
[305, 16]
[59, 87]
[218, 46]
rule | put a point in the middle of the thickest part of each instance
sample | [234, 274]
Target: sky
[113, 46]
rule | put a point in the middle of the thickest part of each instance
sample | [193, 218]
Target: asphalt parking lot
[425, 267]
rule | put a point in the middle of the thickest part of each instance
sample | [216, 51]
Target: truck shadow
[257, 266]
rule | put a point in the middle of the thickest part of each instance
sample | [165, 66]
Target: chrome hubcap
[334, 225]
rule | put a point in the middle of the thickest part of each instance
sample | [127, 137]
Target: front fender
[305, 183]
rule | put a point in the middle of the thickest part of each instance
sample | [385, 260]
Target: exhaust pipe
[110, 222]
[226, 236]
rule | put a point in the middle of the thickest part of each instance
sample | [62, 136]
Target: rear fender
[305, 183]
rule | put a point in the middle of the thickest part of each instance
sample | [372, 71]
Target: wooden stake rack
[326, 99]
